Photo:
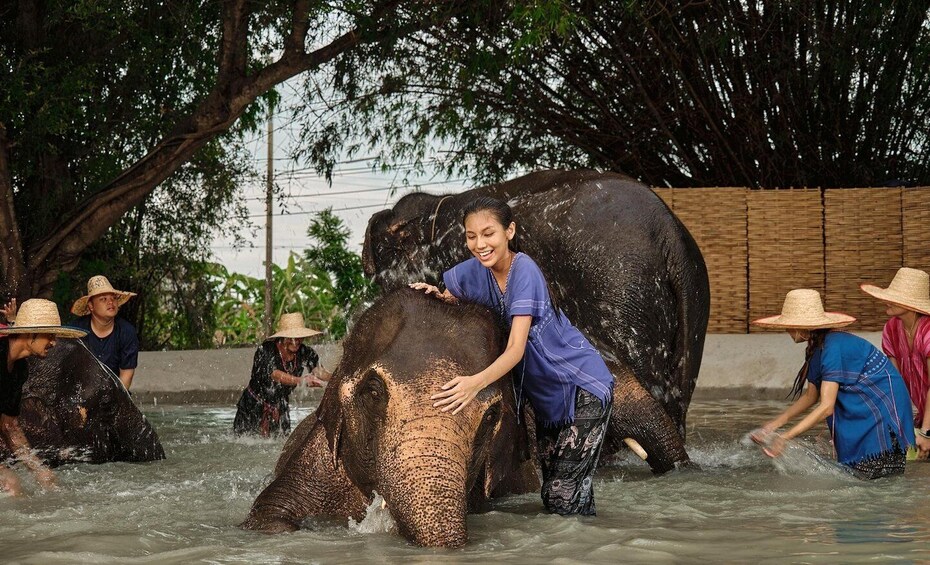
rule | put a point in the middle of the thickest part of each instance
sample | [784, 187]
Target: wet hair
[815, 341]
[501, 212]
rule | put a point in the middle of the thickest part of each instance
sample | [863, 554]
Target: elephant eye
[372, 388]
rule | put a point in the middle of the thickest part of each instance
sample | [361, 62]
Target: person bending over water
[37, 327]
[277, 368]
[555, 367]
[906, 340]
[861, 394]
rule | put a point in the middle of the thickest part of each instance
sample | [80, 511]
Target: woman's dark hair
[504, 215]
[497, 208]
[815, 341]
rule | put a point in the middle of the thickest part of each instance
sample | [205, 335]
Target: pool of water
[740, 507]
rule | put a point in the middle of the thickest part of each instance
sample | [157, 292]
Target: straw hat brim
[79, 308]
[295, 333]
[60, 331]
[888, 295]
[829, 320]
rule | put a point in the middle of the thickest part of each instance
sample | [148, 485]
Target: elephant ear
[329, 415]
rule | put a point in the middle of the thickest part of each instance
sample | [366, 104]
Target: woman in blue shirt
[554, 366]
[861, 395]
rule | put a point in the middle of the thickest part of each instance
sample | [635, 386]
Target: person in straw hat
[111, 339]
[38, 326]
[906, 340]
[854, 386]
[277, 368]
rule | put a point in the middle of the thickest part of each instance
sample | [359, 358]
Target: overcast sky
[356, 193]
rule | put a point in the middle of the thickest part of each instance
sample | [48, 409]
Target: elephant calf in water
[74, 410]
[376, 428]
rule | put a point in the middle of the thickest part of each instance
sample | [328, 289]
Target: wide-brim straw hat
[292, 325]
[909, 289]
[40, 316]
[96, 285]
[803, 310]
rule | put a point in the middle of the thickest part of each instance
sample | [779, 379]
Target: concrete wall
[734, 366]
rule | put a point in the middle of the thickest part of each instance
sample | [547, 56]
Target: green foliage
[296, 287]
[328, 252]
[755, 93]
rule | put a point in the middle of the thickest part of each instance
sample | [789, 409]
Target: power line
[318, 211]
[342, 192]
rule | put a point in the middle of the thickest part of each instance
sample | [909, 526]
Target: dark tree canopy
[751, 93]
[103, 101]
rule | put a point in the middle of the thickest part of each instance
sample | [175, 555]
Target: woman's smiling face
[487, 239]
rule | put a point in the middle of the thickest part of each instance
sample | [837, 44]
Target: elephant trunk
[425, 489]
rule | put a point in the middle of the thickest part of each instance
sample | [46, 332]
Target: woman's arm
[457, 393]
[800, 405]
[288, 379]
[923, 444]
[828, 392]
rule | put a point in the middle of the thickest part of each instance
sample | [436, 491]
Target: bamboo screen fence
[759, 244]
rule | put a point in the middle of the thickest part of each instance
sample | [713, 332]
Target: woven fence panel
[915, 208]
[785, 247]
[716, 217]
[863, 230]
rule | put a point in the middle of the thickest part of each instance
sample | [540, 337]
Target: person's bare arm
[19, 445]
[125, 377]
[460, 391]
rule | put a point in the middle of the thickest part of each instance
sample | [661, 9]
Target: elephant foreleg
[308, 484]
[638, 416]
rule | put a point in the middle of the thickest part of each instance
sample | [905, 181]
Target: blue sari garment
[872, 415]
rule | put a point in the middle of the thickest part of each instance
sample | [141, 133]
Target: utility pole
[269, 205]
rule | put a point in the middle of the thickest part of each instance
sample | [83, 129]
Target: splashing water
[377, 519]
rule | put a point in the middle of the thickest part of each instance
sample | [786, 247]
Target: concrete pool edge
[735, 366]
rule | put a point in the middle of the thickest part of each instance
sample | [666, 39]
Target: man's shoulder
[125, 326]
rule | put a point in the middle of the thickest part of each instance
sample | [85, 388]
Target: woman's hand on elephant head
[428, 288]
[457, 393]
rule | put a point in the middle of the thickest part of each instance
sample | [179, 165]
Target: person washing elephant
[38, 326]
[906, 340]
[276, 370]
[857, 390]
[110, 338]
[562, 375]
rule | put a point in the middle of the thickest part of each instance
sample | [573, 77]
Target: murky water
[740, 508]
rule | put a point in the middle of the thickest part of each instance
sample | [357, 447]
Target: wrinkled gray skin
[73, 410]
[376, 428]
[620, 264]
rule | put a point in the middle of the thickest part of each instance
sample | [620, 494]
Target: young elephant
[74, 410]
[376, 428]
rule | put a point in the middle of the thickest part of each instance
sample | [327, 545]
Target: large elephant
[621, 265]
[376, 429]
[74, 410]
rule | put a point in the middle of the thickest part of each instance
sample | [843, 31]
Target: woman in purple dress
[554, 366]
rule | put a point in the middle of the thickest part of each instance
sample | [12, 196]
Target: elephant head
[376, 427]
[74, 410]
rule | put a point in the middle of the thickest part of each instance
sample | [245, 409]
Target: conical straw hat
[99, 284]
[803, 310]
[292, 325]
[40, 316]
[909, 289]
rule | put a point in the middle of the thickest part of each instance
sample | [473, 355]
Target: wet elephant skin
[620, 264]
[74, 410]
[377, 431]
